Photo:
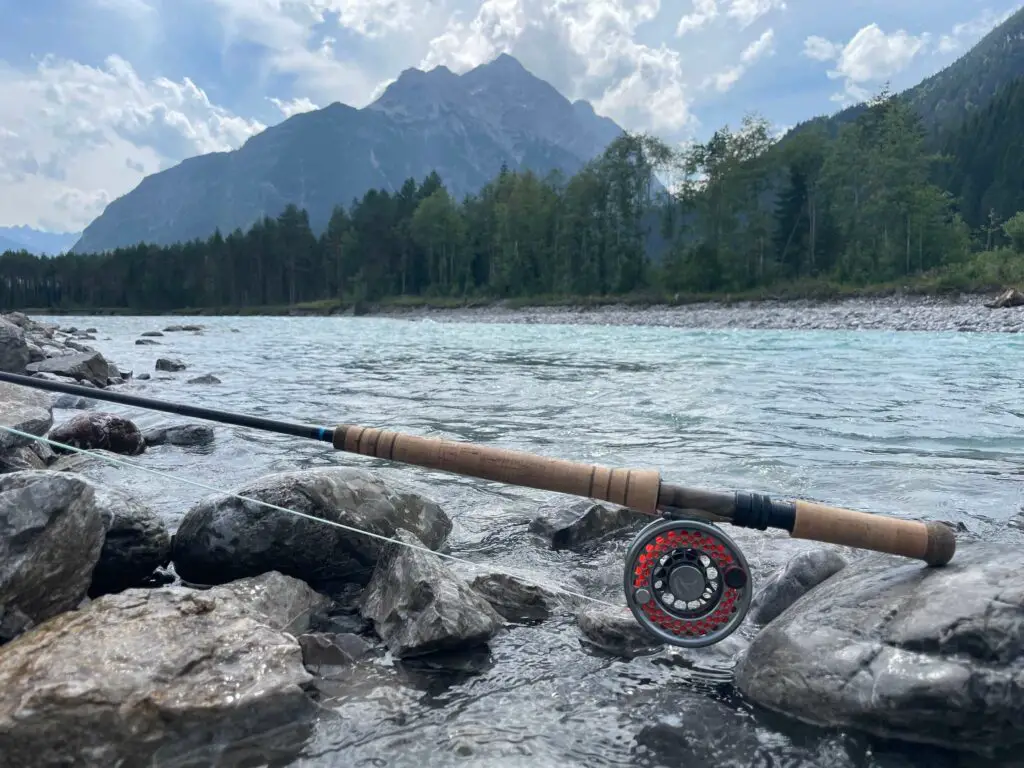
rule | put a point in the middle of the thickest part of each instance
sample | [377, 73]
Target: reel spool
[687, 582]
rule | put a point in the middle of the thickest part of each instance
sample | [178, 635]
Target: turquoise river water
[921, 424]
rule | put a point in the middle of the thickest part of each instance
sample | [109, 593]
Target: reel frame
[704, 565]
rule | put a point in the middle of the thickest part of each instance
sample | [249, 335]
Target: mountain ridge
[464, 127]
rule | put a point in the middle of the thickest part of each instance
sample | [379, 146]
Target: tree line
[740, 211]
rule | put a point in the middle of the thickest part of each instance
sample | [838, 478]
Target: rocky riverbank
[896, 313]
[123, 641]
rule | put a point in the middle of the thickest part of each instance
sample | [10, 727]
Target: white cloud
[746, 12]
[704, 11]
[966, 33]
[291, 107]
[870, 57]
[763, 46]
[586, 48]
[76, 136]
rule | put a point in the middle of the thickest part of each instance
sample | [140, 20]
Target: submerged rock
[100, 430]
[136, 543]
[897, 649]
[167, 676]
[179, 434]
[581, 522]
[89, 367]
[321, 650]
[206, 378]
[224, 538]
[516, 600]
[51, 534]
[616, 631]
[23, 409]
[418, 606]
[170, 365]
[784, 587]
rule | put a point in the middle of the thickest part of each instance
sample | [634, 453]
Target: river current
[916, 424]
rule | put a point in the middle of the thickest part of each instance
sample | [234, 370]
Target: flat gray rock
[167, 676]
[897, 649]
[89, 367]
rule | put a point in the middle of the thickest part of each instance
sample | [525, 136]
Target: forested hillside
[858, 209]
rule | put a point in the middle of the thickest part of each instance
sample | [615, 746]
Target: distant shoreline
[964, 312]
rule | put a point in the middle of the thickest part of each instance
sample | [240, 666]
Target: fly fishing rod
[686, 581]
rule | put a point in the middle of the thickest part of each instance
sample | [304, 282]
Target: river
[918, 424]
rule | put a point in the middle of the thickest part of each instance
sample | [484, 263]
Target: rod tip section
[941, 544]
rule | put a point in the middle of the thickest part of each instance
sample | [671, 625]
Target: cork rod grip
[633, 488]
[934, 543]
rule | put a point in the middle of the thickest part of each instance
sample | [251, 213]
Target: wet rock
[206, 378]
[1011, 297]
[223, 538]
[287, 604]
[179, 434]
[897, 649]
[73, 402]
[51, 534]
[516, 600]
[80, 463]
[166, 676]
[570, 526]
[418, 606]
[143, 377]
[177, 328]
[26, 410]
[332, 650]
[100, 430]
[44, 452]
[89, 367]
[136, 543]
[151, 333]
[170, 365]
[146, 342]
[22, 457]
[14, 351]
[784, 587]
[616, 631]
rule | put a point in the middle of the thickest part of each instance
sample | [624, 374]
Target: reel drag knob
[687, 582]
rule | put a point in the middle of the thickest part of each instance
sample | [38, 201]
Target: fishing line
[167, 476]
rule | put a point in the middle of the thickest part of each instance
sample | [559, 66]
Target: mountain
[986, 168]
[36, 241]
[463, 126]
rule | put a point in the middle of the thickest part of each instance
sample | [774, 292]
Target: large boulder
[89, 367]
[51, 534]
[23, 409]
[418, 606]
[136, 543]
[97, 429]
[223, 538]
[897, 649]
[167, 676]
[14, 350]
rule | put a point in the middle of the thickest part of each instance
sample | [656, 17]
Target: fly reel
[687, 582]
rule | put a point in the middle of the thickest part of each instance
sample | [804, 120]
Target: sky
[97, 94]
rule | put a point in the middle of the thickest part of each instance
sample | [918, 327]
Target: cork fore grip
[633, 488]
[932, 542]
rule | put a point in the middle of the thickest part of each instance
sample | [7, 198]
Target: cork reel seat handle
[634, 488]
